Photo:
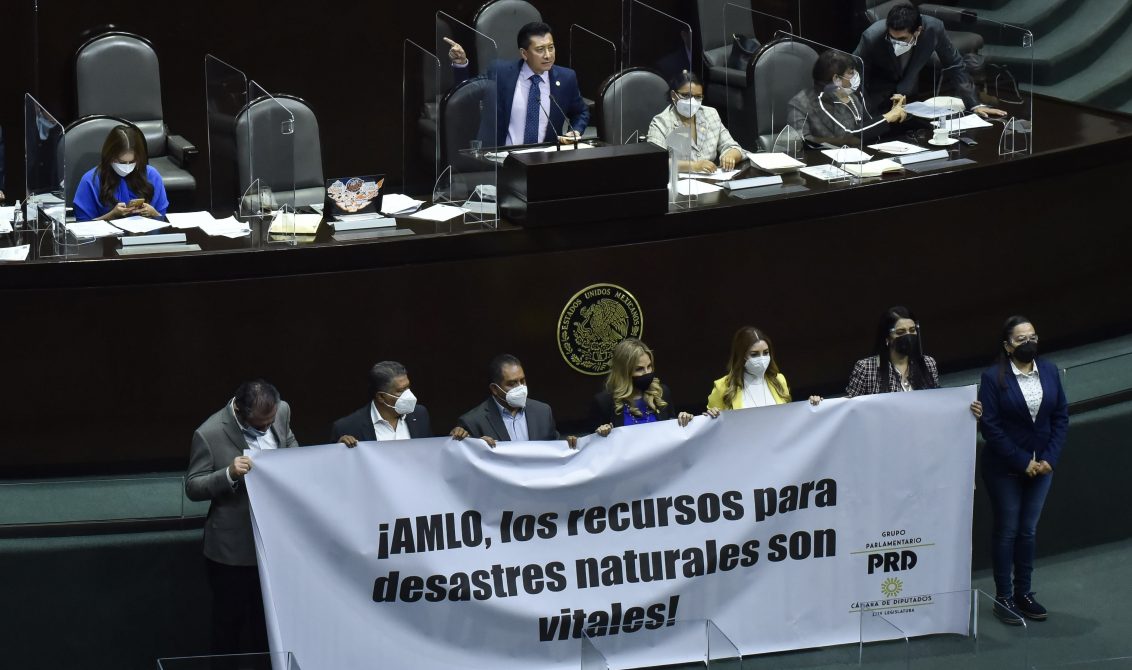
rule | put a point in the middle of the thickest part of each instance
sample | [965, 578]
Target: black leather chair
[118, 74]
[627, 103]
[724, 86]
[777, 72]
[289, 163]
[82, 149]
[467, 113]
[501, 20]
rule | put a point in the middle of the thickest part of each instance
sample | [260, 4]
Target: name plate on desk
[148, 240]
[363, 223]
[569, 186]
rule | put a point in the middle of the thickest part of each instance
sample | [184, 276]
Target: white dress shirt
[519, 106]
[385, 430]
[267, 441]
[1031, 386]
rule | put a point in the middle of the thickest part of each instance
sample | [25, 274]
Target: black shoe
[1007, 611]
[1029, 608]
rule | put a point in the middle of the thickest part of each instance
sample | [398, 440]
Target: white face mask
[516, 397]
[123, 169]
[756, 366]
[405, 404]
[687, 108]
[854, 82]
[901, 48]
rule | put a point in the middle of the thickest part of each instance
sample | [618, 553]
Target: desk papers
[934, 108]
[20, 253]
[92, 229]
[228, 227]
[897, 148]
[965, 123]
[693, 187]
[873, 168]
[183, 220]
[139, 224]
[304, 224]
[847, 155]
[825, 172]
[396, 203]
[6, 214]
[774, 161]
[718, 175]
[438, 213]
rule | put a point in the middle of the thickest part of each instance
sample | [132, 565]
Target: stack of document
[185, 220]
[775, 161]
[825, 172]
[20, 253]
[393, 204]
[361, 222]
[6, 214]
[718, 175]
[92, 229]
[847, 155]
[299, 224]
[139, 224]
[963, 123]
[897, 148]
[693, 187]
[228, 227]
[439, 213]
[873, 168]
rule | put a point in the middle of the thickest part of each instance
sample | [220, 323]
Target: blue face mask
[254, 433]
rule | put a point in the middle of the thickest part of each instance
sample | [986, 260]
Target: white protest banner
[779, 524]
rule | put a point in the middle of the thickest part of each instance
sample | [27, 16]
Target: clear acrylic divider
[43, 214]
[226, 94]
[594, 58]
[680, 190]
[272, 163]
[972, 637]
[276, 660]
[420, 151]
[1000, 76]
[749, 93]
[883, 644]
[657, 41]
[469, 135]
[694, 642]
[1097, 379]
[26, 503]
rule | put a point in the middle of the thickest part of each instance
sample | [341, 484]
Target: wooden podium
[584, 185]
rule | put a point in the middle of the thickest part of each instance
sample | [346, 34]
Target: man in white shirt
[393, 412]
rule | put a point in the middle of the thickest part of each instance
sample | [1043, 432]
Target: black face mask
[643, 382]
[906, 345]
[1026, 352]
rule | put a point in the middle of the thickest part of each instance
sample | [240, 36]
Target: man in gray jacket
[254, 419]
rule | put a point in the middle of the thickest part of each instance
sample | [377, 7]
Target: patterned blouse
[712, 139]
[1031, 386]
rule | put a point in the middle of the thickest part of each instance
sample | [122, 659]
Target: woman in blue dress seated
[123, 184]
[633, 393]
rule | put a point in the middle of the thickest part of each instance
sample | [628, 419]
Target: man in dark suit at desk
[508, 414]
[393, 412]
[254, 419]
[896, 50]
[534, 95]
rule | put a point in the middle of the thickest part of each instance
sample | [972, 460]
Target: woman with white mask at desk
[833, 112]
[711, 144]
[123, 183]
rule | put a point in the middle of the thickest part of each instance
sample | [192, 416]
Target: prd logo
[891, 587]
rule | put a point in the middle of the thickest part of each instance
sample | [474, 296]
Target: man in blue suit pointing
[535, 96]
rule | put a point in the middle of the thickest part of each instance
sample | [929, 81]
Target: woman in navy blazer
[1025, 419]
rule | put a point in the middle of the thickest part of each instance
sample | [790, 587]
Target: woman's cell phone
[135, 203]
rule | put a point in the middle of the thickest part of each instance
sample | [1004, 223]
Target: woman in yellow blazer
[752, 378]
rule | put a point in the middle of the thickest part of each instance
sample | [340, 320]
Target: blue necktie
[534, 102]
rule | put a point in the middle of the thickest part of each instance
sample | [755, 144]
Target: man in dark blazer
[255, 418]
[518, 120]
[392, 413]
[897, 49]
[508, 414]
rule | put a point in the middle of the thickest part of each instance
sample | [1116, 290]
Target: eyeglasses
[1023, 339]
[689, 96]
[901, 332]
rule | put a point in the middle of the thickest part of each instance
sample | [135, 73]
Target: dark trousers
[1016, 501]
[238, 625]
